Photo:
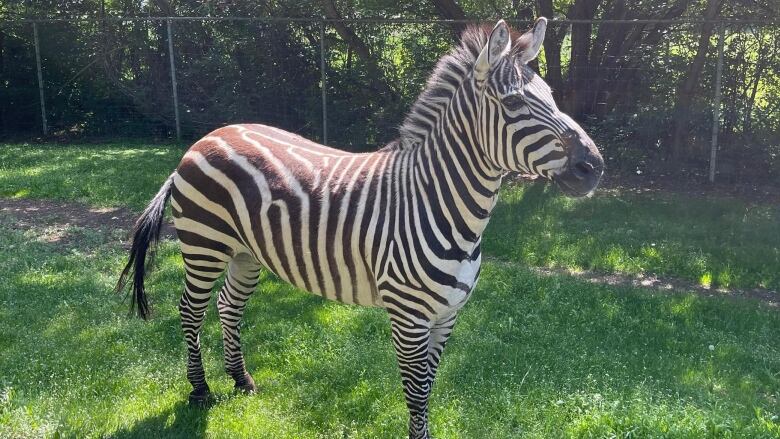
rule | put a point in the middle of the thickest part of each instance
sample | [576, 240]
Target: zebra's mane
[450, 71]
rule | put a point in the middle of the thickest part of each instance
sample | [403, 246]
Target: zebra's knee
[222, 302]
[191, 316]
[186, 313]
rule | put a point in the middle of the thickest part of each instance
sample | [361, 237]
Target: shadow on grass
[714, 242]
[180, 421]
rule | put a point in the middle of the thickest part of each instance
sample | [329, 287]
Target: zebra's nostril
[582, 169]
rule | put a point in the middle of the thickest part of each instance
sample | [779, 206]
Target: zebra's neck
[450, 172]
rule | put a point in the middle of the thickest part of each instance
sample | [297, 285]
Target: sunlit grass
[103, 175]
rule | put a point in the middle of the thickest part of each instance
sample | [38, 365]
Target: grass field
[532, 356]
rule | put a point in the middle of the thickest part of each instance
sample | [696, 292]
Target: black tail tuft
[146, 233]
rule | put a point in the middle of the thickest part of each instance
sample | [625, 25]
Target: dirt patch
[55, 218]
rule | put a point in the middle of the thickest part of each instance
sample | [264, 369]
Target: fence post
[40, 78]
[716, 104]
[322, 80]
[173, 81]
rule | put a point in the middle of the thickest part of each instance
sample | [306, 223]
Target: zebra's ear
[532, 40]
[497, 46]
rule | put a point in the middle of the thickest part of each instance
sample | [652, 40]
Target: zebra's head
[520, 127]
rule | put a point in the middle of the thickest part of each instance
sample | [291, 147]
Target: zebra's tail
[146, 233]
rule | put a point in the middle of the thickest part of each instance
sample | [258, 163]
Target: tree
[449, 10]
[691, 80]
[377, 77]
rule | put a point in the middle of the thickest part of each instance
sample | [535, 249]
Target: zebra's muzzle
[584, 168]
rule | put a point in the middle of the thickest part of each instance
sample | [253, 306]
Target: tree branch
[552, 49]
[375, 74]
[449, 10]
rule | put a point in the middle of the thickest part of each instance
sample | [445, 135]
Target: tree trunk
[751, 100]
[602, 56]
[525, 14]
[603, 81]
[377, 79]
[3, 88]
[449, 10]
[165, 7]
[688, 86]
[579, 71]
[552, 50]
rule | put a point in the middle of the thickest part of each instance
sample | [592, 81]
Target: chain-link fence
[648, 90]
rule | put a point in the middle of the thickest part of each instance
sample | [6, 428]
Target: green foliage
[106, 79]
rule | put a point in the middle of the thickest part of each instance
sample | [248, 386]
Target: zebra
[399, 228]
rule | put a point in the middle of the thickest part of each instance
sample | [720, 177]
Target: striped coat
[399, 228]
[344, 226]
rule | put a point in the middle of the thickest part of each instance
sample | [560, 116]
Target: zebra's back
[313, 215]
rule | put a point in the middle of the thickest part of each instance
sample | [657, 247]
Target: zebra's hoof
[200, 397]
[246, 386]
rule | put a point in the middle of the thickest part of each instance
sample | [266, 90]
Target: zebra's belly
[336, 273]
[351, 290]
[322, 258]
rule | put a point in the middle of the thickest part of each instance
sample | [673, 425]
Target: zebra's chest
[467, 274]
[428, 288]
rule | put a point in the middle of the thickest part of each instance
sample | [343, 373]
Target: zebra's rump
[309, 213]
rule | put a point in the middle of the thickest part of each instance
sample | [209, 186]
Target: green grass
[532, 356]
[102, 175]
[716, 242]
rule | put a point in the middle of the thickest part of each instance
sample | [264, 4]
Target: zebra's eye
[513, 102]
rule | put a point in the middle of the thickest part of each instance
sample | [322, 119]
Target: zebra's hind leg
[411, 342]
[240, 282]
[202, 273]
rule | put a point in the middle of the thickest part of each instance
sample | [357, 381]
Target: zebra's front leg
[240, 283]
[440, 333]
[411, 341]
[199, 281]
